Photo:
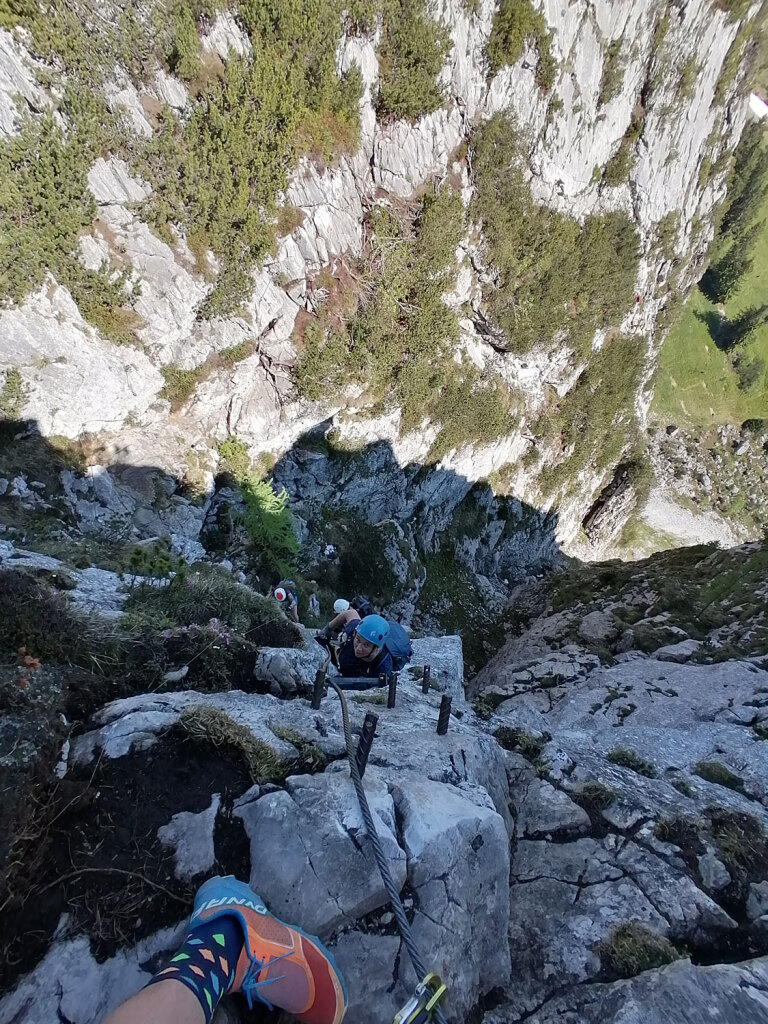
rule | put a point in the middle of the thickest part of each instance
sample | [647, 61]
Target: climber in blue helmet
[367, 654]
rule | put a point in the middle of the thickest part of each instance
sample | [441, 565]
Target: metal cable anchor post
[319, 689]
[444, 715]
[365, 742]
[392, 692]
[425, 679]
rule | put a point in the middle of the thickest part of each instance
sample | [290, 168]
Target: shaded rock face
[499, 540]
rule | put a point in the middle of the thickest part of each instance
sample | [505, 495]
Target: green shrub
[16, 12]
[595, 422]
[631, 948]
[400, 342]
[234, 457]
[722, 278]
[470, 411]
[732, 63]
[552, 274]
[686, 82]
[45, 205]
[179, 384]
[411, 54]
[613, 73]
[322, 366]
[183, 53]
[748, 184]
[714, 771]
[629, 759]
[267, 522]
[34, 616]
[13, 394]
[515, 23]
[206, 593]
[207, 173]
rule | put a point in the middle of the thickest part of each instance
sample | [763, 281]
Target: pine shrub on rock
[551, 274]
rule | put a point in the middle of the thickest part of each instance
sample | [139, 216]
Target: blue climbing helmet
[374, 629]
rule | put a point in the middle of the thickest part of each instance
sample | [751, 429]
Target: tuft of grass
[522, 742]
[485, 706]
[683, 786]
[714, 771]
[311, 758]
[629, 759]
[681, 832]
[632, 948]
[205, 725]
[742, 845]
[369, 697]
[594, 796]
[38, 618]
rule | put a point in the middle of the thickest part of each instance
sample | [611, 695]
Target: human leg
[235, 945]
[168, 1002]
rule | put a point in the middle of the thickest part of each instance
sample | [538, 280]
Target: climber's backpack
[399, 646]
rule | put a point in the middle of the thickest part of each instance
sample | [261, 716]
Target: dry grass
[207, 725]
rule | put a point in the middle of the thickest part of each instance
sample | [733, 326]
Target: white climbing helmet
[340, 605]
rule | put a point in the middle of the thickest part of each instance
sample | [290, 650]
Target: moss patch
[629, 759]
[632, 948]
[714, 771]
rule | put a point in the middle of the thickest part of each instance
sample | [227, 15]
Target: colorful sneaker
[279, 964]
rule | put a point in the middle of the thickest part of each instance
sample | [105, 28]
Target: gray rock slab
[757, 901]
[714, 874]
[191, 837]
[368, 964]
[69, 984]
[288, 671]
[680, 652]
[445, 657]
[458, 864]
[545, 810]
[677, 994]
[311, 861]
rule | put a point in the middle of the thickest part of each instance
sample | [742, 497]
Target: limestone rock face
[77, 382]
[571, 133]
[17, 79]
[678, 994]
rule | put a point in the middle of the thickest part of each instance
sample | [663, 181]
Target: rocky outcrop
[591, 832]
[630, 775]
[440, 803]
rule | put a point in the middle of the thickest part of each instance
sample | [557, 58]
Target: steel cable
[381, 858]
